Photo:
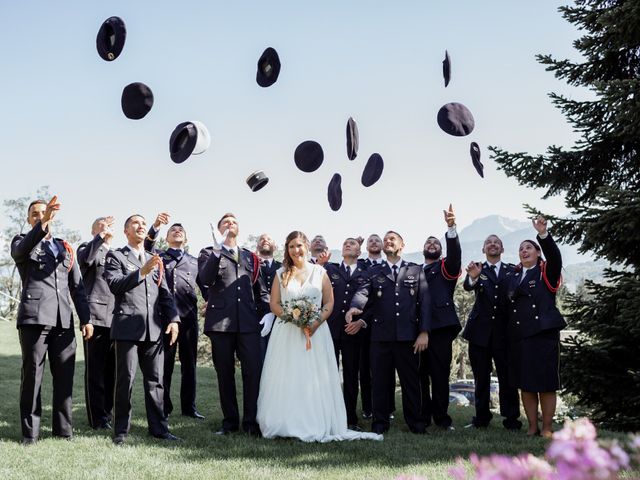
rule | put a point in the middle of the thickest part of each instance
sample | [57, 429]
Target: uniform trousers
[36, 341]
[187, 349]
[99, 376]
[150, 356]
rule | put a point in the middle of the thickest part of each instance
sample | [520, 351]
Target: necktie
[395, 272]
[493, 269]
[374, 262]
[348, 270]
[233, 254]
[175, 253]
[141, 257]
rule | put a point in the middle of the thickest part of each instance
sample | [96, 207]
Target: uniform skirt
[534, 362]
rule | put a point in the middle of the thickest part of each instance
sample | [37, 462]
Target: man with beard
[144, 310]
[399, 316]
[374, 251]
[320, 253]
[348, 338]
[486, 332]
[181, 271]
[442, 275]
[268, 267]
[231, 283]
[99, 353]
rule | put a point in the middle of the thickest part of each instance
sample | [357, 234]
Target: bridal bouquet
[301, 312]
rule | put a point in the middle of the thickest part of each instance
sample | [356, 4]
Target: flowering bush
[573, 454]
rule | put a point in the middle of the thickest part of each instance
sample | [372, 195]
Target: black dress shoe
[419, 431]
[512, 424]
[224, 431]
[355, 428]
[167, 436]
[119, 439]
[379, 430]
[104, 426]
[29, 441]
[367, 415]
[254, 432]
[195, 414]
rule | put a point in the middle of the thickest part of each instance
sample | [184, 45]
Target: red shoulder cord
[160, 273]
[446, 274]
[256, 268]
[69, 250]
[543, 269]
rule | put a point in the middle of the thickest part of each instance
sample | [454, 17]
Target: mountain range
[577, 266]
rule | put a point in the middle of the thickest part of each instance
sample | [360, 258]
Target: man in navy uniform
[268, 266]
[348, 338]
[144, 310]
[442, 275]
[50, 279]
[181, 271]
[399, 317]
[374, 251]
[320, 253]
[99, 354]
[486, 332]
[230, 281]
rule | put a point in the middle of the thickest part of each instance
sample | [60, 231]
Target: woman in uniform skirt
[534, 327]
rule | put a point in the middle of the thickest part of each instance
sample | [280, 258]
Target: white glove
[217, 246]
[267, 324]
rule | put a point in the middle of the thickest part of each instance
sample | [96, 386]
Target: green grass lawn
[203, 455]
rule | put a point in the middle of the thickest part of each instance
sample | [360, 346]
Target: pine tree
[599, 178]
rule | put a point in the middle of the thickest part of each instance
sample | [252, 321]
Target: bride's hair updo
[287, 262]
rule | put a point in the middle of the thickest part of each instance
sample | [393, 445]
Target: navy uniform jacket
[398, 311]
[344, 288]
[532, 307]
[232, 290]
[442, 276]
[142, 309]
[91, 258]
[48, 285]
[181, 278]
[267, 273]
[487, 323]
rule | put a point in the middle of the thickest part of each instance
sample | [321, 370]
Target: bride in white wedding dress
[300, 392]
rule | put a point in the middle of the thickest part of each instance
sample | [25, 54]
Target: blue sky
[379, 62]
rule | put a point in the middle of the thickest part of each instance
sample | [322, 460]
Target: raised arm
[551, 251]
[118, 282]
[88, 252]
[22, 246]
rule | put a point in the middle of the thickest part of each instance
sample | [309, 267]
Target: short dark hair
[39, 201]
[228, 214]
[395, 233]
[126, 222]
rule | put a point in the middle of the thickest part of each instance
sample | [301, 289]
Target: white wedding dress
[300, 392]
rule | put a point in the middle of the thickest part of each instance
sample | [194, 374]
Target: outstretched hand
[217, 245]
[323, 257]
[150, 265]
[52, 208]
[449, 216]
[540, 224]
[161, 219]
[473, 270]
